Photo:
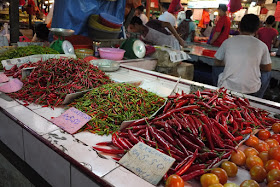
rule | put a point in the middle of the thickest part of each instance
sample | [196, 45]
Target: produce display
[199, 130]
[25, 51]
[52, 80]
[111, 104]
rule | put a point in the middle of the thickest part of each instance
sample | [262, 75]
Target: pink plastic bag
[13, 85]
[3, 78]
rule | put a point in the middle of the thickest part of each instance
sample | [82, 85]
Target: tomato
[252, 141]
[216, 185]
[276, 128]
[273, 175]
[252, 161]
[231, 185]
[221, 174]
[174, 181]
[272, 142]
[250, 151]
[230, 168]
[239, 158]
[274, 184]
[264, 134]
[264, 156]
[249, 183]
[258, 173]
[209, 178]
[276, 137]
[274, 153]
[272, 164]
[262, 146]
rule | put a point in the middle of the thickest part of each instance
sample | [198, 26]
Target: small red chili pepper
[186, 166]
[193, 174]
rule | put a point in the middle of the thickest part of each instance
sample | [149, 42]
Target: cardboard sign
[13, 85]
[3, 78]
[26, 71]
[147, 162]
[71, 120]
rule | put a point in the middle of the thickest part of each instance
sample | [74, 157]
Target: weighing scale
[61, 45]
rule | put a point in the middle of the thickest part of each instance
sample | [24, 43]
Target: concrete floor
[10, 176]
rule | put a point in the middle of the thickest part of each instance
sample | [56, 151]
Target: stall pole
[14, 21]
[148, 8]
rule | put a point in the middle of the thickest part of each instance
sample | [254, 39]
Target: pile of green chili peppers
[25, 51]
[111, 104]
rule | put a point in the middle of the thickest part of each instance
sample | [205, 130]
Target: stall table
[68, 160]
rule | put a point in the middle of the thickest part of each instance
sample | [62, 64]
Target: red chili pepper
[115, 142]
[132, 137]
[167, 106]
[204, 105]
[182, 103]
[194, 139]
[238, 138]
[195, 167]
[186, 166]
[215, 161]
[138, 122]
[212, 99]
[167, 129]
[247, 131]
[207, 131]
[140, 132]
[116, 159]
[182, 109]
[167, 137]
[189, 145]
[193, 174]
[227, 155]
[110, 151]
[223, 130]
[127, 142]
[105, 143]
[183, 162]
[160, 139]
[179, 126]
[182, 147]
[139, 127]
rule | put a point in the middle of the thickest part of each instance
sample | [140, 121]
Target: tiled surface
[51, 166]
[91, 139]
[32, 120]
[48, 113]
[81, 152]
[7, 104]
[11, 135]
[31, 106]
[79, 180]
[121, 177]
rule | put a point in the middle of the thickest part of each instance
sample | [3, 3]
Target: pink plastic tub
[111, 53]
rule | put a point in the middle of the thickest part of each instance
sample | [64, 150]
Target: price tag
[147, 162]
[71, 120]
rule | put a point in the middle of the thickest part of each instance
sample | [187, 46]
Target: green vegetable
[111, 104]
[25, 51]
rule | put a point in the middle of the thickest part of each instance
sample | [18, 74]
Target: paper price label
[147, 162]
[71, 120]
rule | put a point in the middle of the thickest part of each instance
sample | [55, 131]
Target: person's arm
[173, 31]
[265, 67]
[215, 37]
[219, 62]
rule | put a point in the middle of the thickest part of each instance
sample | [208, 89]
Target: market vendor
[139, 11]
[158, 36]
[246, 59]
[222, 28]
[268, 34]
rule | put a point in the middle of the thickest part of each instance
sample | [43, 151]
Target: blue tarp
[73, 14]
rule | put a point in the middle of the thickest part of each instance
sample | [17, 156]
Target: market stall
[64, 159]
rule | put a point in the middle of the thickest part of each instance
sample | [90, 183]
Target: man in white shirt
[139, 12]
[244, 57]
[166, 16]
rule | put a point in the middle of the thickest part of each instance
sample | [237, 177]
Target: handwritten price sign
[71, 120]
[147, 162]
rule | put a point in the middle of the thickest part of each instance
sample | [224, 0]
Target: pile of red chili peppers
[52, 80]
[198, 130]
[111, 104]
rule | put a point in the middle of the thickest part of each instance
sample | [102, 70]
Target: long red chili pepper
[132, 137]
[182, 163]
[193, 174]
[111, 151]
[105, 143]
[160, 139]
[167, 137]
[186, 166]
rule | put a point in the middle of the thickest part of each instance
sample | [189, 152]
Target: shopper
[186, 29]
[139, 11]
[166, 16]
[267, 34]
[244, 58]
[222, 28]
[155, 36]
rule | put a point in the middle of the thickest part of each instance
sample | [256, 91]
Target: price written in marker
[71, 120]
[147, 162]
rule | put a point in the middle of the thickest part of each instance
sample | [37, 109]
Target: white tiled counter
[68, 160]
